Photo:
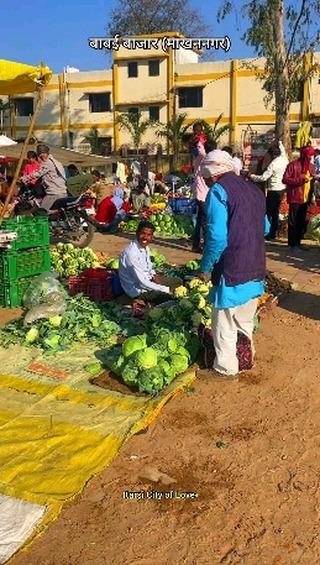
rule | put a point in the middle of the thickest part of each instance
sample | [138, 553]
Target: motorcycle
[69, 219]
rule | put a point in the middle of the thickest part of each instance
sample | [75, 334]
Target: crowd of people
[234, 218]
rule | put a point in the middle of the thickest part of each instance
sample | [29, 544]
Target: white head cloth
[217, 163]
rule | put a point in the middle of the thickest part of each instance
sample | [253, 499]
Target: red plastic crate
[96, 284]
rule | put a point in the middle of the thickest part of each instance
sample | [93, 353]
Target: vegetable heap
[194, 297]
[157, 259]
[83, 321]
[314, 228]
[112, 263]
[150, 362]
[180, 227]
[69, 261]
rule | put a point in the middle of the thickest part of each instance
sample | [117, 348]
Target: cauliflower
[195, 283]
[180, 291]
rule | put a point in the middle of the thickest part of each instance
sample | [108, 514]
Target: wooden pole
[23, 153]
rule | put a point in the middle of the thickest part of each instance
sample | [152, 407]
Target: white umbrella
[6, 141]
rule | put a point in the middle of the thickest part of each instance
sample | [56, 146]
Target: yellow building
[159, 82]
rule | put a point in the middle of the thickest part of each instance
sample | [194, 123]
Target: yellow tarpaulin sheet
[56, 436]
[18, 78]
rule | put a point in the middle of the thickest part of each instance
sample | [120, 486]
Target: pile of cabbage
[148, 362]
[83, 321]
[179, 226]
[314, 228]
[70, 261]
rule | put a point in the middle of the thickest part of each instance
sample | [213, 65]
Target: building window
[99, 102]
[133, 110]
[23, 107]
[191, 97]
[132, 69]
[154, 68]
[154, 113]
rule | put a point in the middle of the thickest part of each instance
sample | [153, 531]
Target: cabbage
[130, 374]
[155, 314]
[151, 381]
[179, 364]
[147, 358]
[118, 365]
[183, 351]
[134, 343]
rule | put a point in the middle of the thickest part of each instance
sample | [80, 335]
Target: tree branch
[295, 30]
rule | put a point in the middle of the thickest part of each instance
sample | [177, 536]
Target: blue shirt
[223, 296]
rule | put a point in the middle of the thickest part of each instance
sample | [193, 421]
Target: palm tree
[175, 132]
[96, 144]
[214, 132]
[135, 126]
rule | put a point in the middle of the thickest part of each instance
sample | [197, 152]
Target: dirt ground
[249, 450]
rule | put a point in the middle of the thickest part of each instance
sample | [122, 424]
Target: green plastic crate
[31, 231]
[12, 292]
[20, 264]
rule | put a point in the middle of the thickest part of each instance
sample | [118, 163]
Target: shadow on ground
[302, 303]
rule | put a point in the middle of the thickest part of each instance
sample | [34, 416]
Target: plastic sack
[44, 298]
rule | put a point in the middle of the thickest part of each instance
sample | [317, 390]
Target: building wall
[232, 89]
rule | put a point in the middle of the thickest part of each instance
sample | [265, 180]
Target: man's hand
[156, 279]
[204, 277]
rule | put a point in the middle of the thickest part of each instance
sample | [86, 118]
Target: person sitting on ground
[159, 186]
[77, 182]
[139, 197]
[100, 188]
[52, 176]
[135, 267]
[234, 256]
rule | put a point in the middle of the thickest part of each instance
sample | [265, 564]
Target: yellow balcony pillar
[233, 102]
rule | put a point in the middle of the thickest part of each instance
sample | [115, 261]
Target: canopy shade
[65, 156]
[6, 141]
[18, 78]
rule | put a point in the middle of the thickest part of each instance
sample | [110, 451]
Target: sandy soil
[248, 449]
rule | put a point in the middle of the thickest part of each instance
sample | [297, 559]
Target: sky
[57, 32]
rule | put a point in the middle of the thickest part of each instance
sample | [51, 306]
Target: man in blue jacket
[234, 255]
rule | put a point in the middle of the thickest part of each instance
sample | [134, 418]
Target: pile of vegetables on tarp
[151, 360]
[70, 261]
[166, 225]
[82, 321]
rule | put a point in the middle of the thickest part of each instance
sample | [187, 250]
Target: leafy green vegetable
[147, 358]
[151, 381]
[133, 344]
[32, 335]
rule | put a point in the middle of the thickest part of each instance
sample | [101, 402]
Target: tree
[175, 132]
[283, 34]
[96, 144]
[216, 131]
[135, 17]
[135, 126]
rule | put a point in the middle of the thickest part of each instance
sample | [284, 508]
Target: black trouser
[296, 223]
[200, 225]
[274, 198]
